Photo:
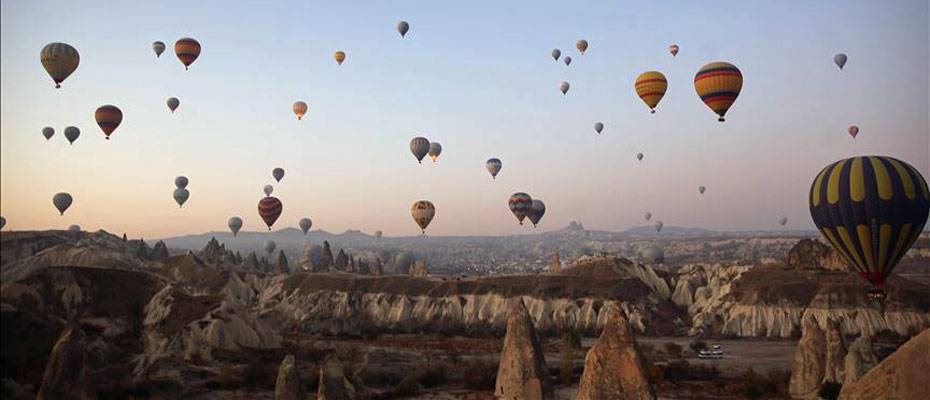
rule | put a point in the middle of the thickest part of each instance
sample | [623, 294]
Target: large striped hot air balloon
[60, 60]
[651, 86]
[108, 119]
[718, 84]
[520, 204]
[422, 212]
[269, 208]
[187, 50]
[871, 209]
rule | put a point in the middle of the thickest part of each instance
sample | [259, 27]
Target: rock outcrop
[282, 265]
[333, 383]
[613, 368]
[812, 254]
[160, 252]
[809, 362]
[287, 386]
[66, 373]
[419, 269]
[859, 359]
[522, 373]
[556, 265]
[903, 375]
[835, 354]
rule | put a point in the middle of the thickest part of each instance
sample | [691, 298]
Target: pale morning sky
[475, 76]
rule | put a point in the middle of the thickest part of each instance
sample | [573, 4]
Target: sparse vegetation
[673, 349]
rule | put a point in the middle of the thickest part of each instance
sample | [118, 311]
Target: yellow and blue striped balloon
[871, 209]
[60, 60]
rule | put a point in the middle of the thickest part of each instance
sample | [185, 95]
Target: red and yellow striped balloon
[718, 84]
[108, 119]
[651, 86]
[187, 50]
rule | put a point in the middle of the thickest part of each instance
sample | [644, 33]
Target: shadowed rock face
[905, 374]
[811, 254]
[859, 360]
[613, 368]
[333, 383]
[66, 372]
[287, 386]
[522, 373]
[809, 361]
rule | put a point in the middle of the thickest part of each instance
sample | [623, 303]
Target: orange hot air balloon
[108, 118]
[269, 208]
[718, 84]
[853, 131]
[300, 108]
[187, 50]
[651, 86]
[340, 56]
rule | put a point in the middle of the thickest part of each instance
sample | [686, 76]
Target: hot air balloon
[718, 84]
[493, 166]
[62, 201]
[871, 209]
[567, 60]
[158, 47]
[853, 131]
[108, 119]
[556, 53]
[840, 60]
[422, 212]
[673, 49]
[72, 133]
[520, 204]
[235, 224]
[305, 224]
[181, 182]
[60, 60]
[269, 208]
[536, 212]
[340, 56]
[434, 150]
[269, 246]
[639, 156]
[277, 174]
[268, 189]
[419, 146]
[701, 189]
[648, 215]
[563, 86]
[650, 87]
[300, 108]
[402, 28]
[2, 222]
[75, 228]
[187, 50]
[783, 220]
[379, 234]
[48, 132]
[659, 226]
[173, 103]
[598, 127]
[581, 45]
[181, 195]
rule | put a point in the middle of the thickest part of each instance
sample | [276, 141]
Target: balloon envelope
[651, 87]
[181, 182]
[277, 174]
[702, 189]
[493, 166]
[659, 226]
[379, 234]
[269, 208]
[556, 53]
[434, 150]
[840, 60]
[782, 221]
[598, 127]
[48, 132]
[305, 224]
[536, 212]
[648, 215]
[72, 133]
[422, 212]
[108, 119]
[187, 50]
[402, 28]
[158, 47]
[673, 49]
[582, 46]
[564, 86]
[268, 189]
[871, 209]
[567, 60]
[173, 103]
[235, 224]
[300, 108]
[2, 222]
[74, 228]
[340, 56]
[718, 84]
[639, 156]
[62, 201]
[181, 195]
[520, 204]
[419, 146]
[853, 131]
[60, 60]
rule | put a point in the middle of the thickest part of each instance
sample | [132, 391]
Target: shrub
[673, 350]
[830, 390]
[698, 345]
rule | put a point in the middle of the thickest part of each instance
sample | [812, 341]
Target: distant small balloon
[181, 195]
[2, 222]
[173, 103]
[340, 56]
[648, 215]
[402, 28]
[48, 132]
[598, 127]
[493, 166]
[268, 189]
[702, 189]
[62, 201]
[582, 46]
[158, 47]
[108, 119]
[235, 224]
[659, 226]
[379, 234]
[639, 156]
[74, 228]
[840, 60]
[300, 109]
[434, 150]
[853, 131]
[278, 174]
[419, 146]
[783, 220]
[536, 212]
[556, 53]
[567, 60]
[181, 182]
[269, 246]
[673, 49]
[187, 50]
[305, 224]
[564, 87]
[72, 133]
